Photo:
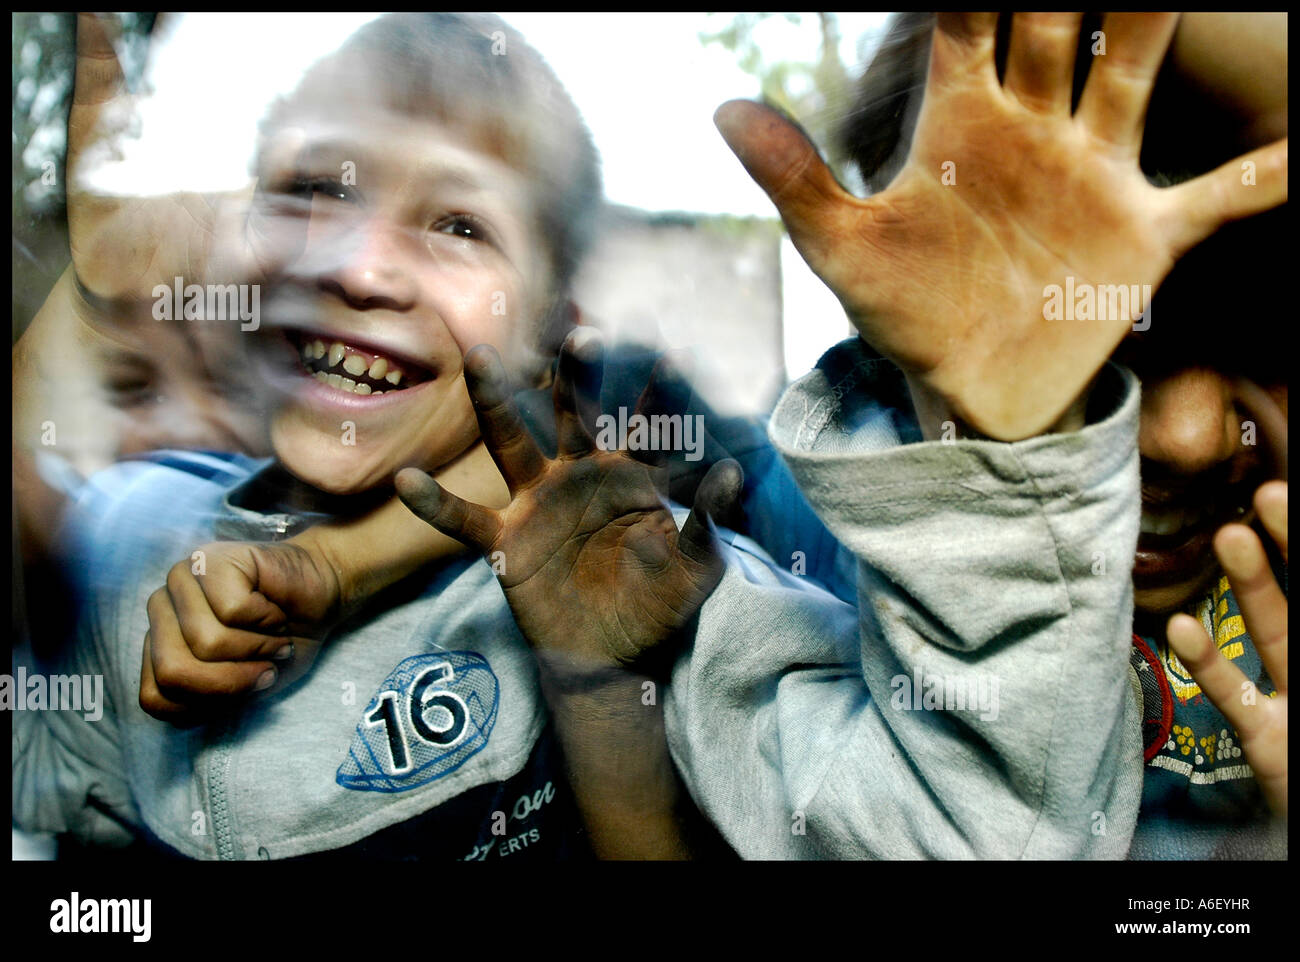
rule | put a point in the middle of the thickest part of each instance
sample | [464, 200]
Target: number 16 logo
[431, 715]
[438, 717]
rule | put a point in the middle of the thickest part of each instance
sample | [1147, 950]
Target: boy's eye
[131, 392]
[330, 187]
[462, 225]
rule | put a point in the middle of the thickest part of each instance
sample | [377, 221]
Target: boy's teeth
[345, 384]
[1167, 522]
[342, 358]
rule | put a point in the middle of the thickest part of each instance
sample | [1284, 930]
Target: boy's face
[171, 384]
[393, 245]
[1199, 472]
[1213, 420]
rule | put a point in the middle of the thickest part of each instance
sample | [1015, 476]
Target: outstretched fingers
[717, 493]
[98, 83]
[663, 404]
[1251, 184]
[1263, 605]
[468, 523]
[1040, 62]
[1260, 721]
[787, 166]
[1222, 681]
[508, 441]
[1270, 503]
[963, 50]
[579, 372]
[98, 76]
[1263, 608]
[1128, 57]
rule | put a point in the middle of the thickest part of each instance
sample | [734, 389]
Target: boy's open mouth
[353, 369]
[1176, 533]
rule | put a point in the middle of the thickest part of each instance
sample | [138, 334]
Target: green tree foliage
[813, 91]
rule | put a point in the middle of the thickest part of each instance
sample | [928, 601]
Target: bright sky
[645, 83]
[648, 88]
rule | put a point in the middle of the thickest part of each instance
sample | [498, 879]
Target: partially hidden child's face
[1205, 449]
[393, 245]
[1213, 421]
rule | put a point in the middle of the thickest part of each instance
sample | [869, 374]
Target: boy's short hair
[476, 73]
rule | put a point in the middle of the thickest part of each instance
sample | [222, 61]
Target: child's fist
[234, 620]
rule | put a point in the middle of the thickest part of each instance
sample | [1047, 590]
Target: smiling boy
[422, 729]
[417, 195]
[408, 213]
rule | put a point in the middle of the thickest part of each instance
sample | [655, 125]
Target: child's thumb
[782, 161]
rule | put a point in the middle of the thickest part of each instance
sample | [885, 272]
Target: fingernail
[284, 654]
[724, 118]
[265, 680]
[1237, 552]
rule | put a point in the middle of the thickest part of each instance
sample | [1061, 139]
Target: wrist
[343, 582]
[939, 421]
[936, 417]
[579, 678]
[614, 711]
